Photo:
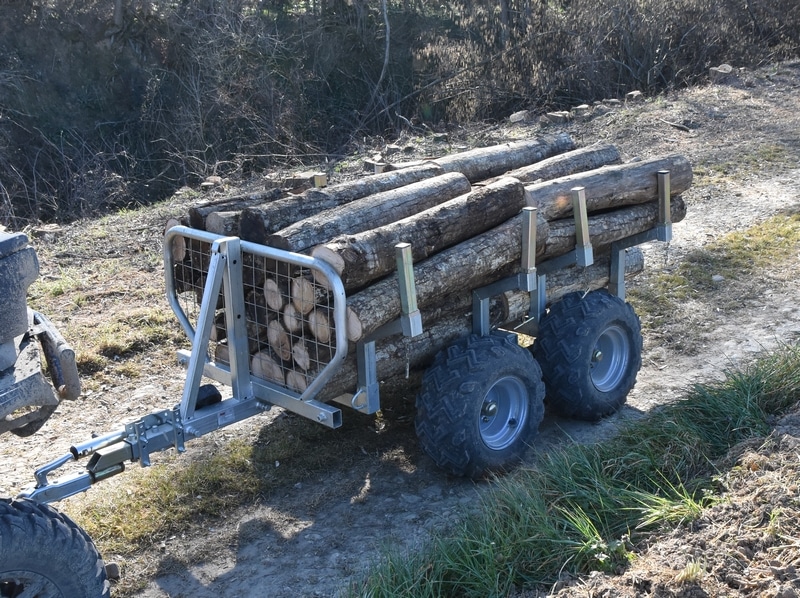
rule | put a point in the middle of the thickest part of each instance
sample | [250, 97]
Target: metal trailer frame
[228, 260]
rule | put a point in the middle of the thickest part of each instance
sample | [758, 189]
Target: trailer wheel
[480, 404]
[44, 553]
[590, 350]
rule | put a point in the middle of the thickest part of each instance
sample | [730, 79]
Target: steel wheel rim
[609, 360]
[503, 413]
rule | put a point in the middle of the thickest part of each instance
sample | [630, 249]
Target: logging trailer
[479, 407]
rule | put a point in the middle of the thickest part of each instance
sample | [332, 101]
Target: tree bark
[369, 212]
[485, 162]
[257, 222]
[610, 186]
[444, 326]
[236, 203]
[516, 304]
[580, 160]
[487, 258]
[369, 255]
[223, 223]
[608, 227]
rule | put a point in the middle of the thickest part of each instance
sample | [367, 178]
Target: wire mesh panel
[290, 304]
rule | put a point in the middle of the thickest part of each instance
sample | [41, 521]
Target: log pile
[461, 215]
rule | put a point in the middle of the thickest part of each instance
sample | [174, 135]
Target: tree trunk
[485, 162]
[579, 160]
[257, 222]
[443, 326]
[369, 212]
[199, 214]
[610, 186]
[367, 256]
[608, 227]
[516, 304]
[487, 258]
[223, 223]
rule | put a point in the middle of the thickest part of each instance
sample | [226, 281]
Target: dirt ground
[310, 538]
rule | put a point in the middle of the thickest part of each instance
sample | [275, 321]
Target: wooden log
[580, 160]
[442, 326]
[178, 245]
[319, 323]
[485, 162]
[224, 223]
[256, 222]
[516, 304]
[369, 255]
[279, 340]
[305, 294]
[397, 353]
[486, 258]
[608, 227]
[610, 186]
[296, 381]
[368, 212]
[310, 356]
[236, 203]
[264, 367]
[292, 319]
[275, 294]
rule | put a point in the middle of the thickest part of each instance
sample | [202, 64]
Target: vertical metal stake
[616, 280]
[584, 256]
[410, 318]
[664, 224]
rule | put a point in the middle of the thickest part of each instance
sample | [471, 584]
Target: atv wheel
[590, 350]
[480, 405]
[44, 554]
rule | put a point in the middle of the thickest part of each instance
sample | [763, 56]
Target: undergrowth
[102, 109]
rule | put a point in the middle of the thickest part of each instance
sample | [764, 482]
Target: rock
[581, 110]
[112, 571]
[612, 102]
[519, 117]
[717, 278]
[721, 73]
[559, 117]
[634, 96]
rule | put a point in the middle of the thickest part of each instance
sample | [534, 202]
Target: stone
[721, 73]
[634, 96]
[559, 117]
[519, 117]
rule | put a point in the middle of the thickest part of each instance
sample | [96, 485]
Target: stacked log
[462, 216]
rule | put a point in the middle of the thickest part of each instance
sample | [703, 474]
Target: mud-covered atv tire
[589, 347]
[480, 405]
[44, 553]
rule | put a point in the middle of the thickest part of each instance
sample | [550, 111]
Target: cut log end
[273, 294]
[305, 294]
[264, 367]
[178, 245]
[320, 325]
[279, 340]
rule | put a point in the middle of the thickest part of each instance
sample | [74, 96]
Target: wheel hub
[610, 359]
[504, 410]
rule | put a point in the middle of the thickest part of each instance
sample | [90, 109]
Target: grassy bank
[584, 508]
